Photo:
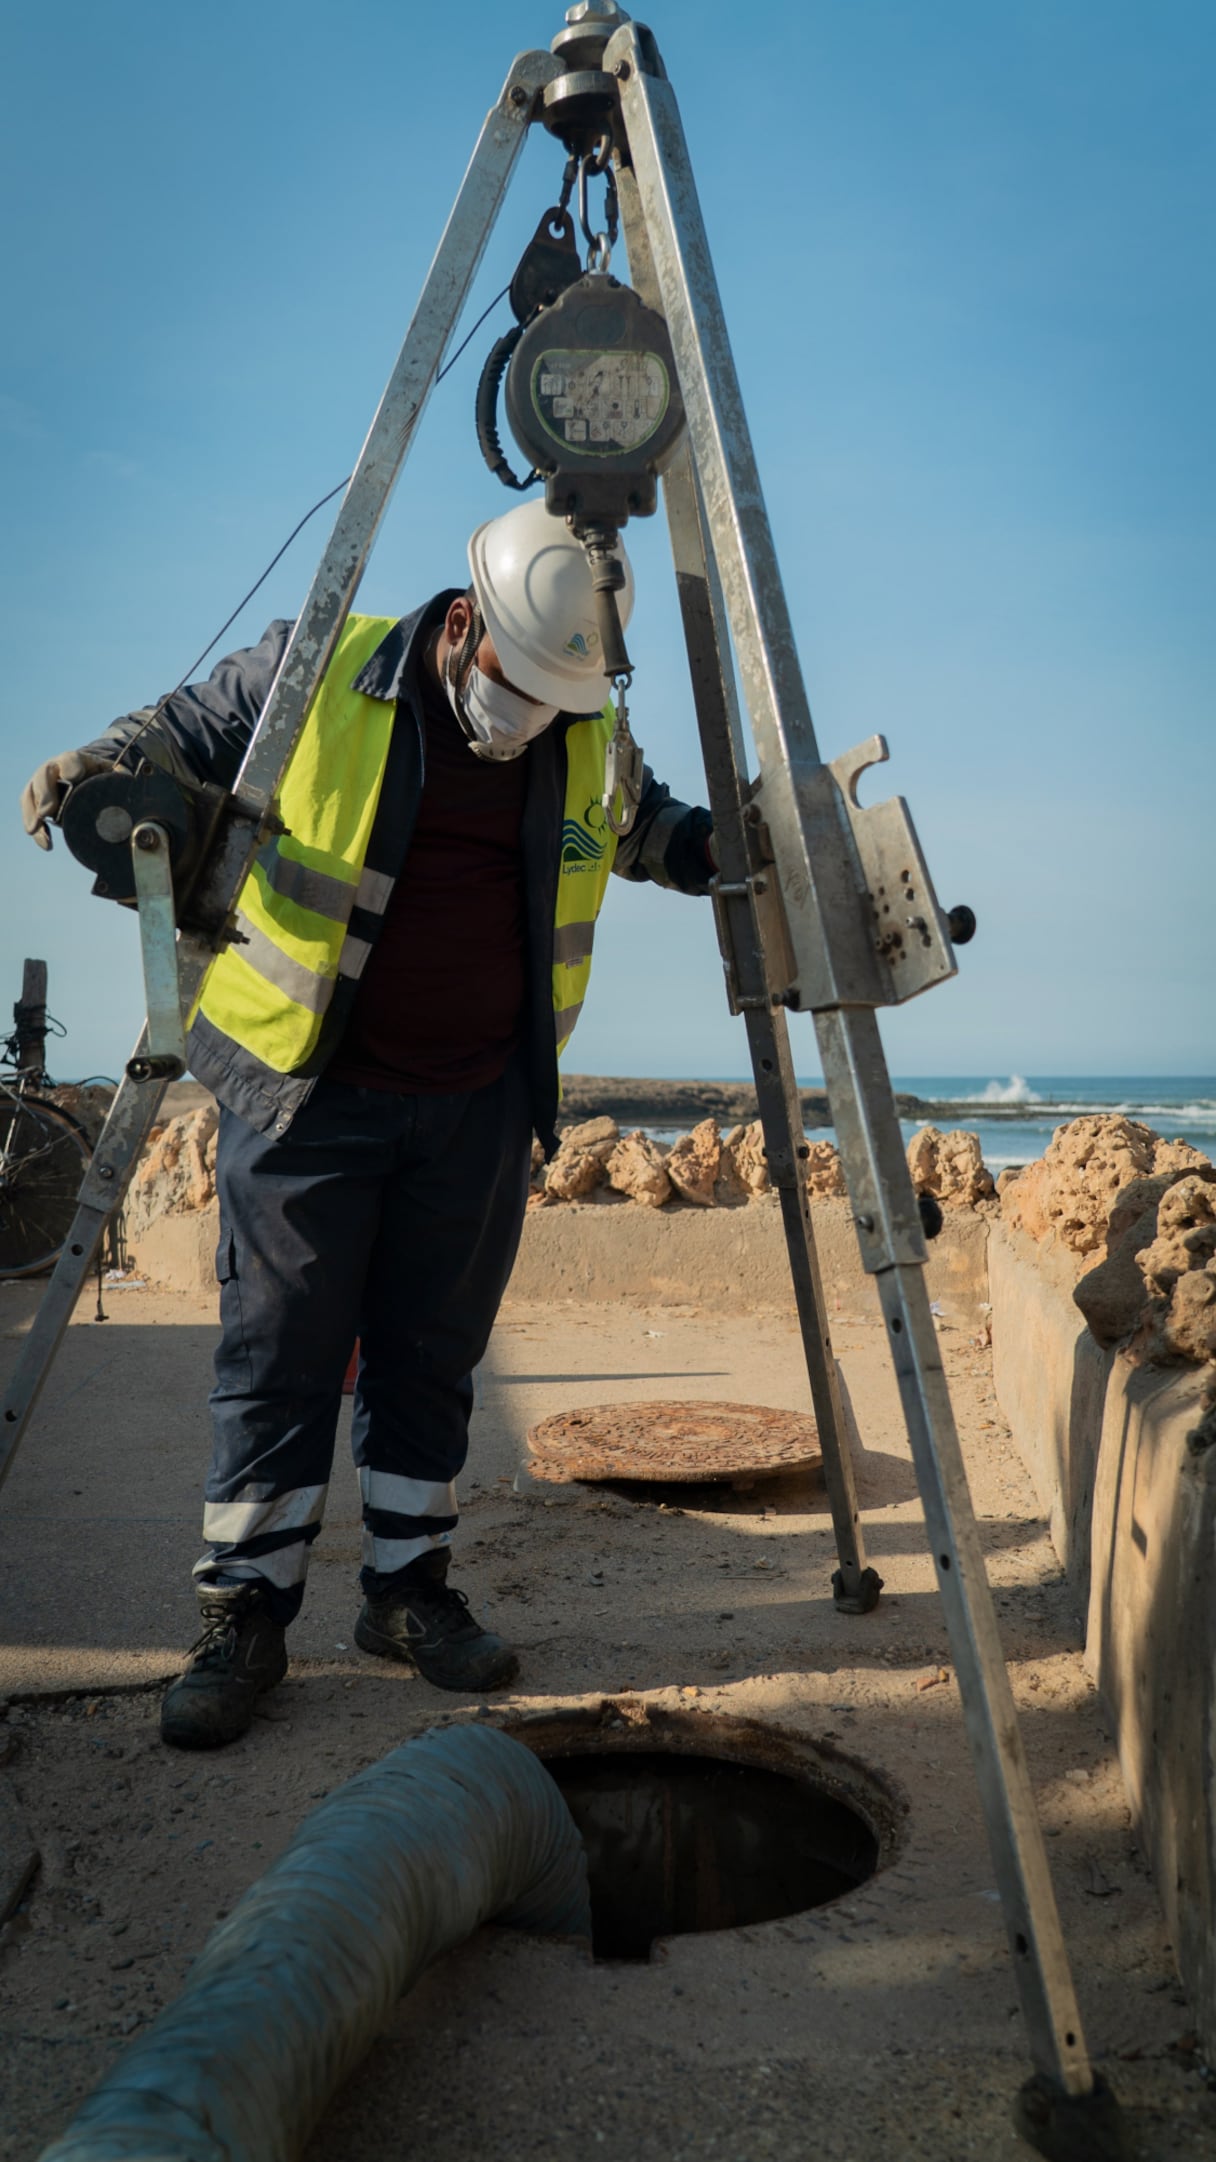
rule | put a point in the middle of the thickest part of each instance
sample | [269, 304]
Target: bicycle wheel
[43, 1154]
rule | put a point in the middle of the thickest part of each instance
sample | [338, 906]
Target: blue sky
[965, 251]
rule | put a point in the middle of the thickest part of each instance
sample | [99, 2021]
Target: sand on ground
[886, 2022]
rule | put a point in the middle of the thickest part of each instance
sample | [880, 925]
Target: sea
[1015, 1115]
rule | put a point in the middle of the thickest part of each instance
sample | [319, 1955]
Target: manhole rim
[597, 1444]
[622, 1725]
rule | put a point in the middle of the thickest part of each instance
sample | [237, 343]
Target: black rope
[162, 702]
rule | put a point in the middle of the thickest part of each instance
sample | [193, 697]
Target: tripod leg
[119, 1144]
[371, 485]
[825, 903]
[862, 1107]
[368, 494]
[308, 653]
[855, 1586]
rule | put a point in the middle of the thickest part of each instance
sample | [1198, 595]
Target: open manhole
[674, 1441]
[702, 1822]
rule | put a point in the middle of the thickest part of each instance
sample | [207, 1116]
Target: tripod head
[592, 394]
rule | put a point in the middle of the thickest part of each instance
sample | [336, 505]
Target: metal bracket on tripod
[821, 904]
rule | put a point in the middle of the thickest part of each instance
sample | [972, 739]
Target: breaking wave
[1014, 1091]
[1200, 1113]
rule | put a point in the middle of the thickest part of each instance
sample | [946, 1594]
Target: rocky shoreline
[634, 1102]
[1132, 1214]
[731, 1103]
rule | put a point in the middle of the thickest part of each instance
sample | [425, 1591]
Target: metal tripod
[821, 906]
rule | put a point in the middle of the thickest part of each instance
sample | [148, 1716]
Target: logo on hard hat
[582, 644]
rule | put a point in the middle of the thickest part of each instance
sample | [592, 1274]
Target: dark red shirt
[439, 1008]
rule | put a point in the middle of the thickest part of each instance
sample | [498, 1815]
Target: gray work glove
[42, 797]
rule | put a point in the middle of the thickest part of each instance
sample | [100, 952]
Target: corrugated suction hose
[462, 1826]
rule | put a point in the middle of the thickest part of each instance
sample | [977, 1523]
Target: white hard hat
[533, 586]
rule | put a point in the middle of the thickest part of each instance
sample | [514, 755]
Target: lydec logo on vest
[584, 839]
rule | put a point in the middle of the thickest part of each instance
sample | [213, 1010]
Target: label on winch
[603, 403]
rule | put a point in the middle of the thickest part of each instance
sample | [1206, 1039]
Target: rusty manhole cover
[676, 1441]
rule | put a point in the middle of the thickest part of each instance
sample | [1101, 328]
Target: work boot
[425, 1622]
[240, 1654]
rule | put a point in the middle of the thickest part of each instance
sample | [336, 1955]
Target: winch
[593, 402]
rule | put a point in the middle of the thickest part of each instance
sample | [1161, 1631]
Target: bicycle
[44, 1152]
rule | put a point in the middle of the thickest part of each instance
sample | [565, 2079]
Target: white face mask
[499, 722]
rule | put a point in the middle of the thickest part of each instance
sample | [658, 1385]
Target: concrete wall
[1151, 1645]
[177, 1253]
[1050, 1378]
[602, 1250]
[1133, 1515]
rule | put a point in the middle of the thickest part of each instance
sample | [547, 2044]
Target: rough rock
[1155, 1289]
[87, 1102]
[824, 1170]
[537, 1197]
[177, 1171]
[1068, 1196]
[950, 1167]
[1182, 1257]
[693, 1164]
[579, 1165]
[637, 1169]
[743, 1165]
[591, 1134]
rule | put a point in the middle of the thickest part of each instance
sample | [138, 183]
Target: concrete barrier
[1050, 1378]
[1151, 1646]
[601, 1250]
[1132, 1507]
[734, 1257]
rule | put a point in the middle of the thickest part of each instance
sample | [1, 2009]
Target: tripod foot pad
[1072, 2127]
[861, 1601]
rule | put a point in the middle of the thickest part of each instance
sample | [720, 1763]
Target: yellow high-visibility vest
[270, 991]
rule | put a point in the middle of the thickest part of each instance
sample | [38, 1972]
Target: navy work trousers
[394, 1218]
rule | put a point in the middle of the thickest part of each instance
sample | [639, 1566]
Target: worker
[382, 1036]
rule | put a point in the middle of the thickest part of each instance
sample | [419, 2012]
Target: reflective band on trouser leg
[403, 1518]
[588, 850]
[267, 1539]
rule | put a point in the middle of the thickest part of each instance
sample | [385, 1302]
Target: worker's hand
[42, 796]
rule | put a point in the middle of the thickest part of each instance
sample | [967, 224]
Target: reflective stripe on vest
[271, 991]
[588, 851]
